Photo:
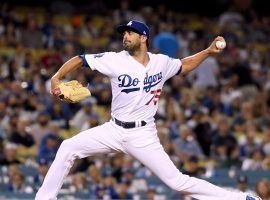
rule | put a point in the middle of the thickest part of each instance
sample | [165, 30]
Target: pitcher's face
[131, 41]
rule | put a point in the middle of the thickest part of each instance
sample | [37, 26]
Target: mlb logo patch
[99, 55]
[250, 198]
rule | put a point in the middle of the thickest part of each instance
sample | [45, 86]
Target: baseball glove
[71, 92]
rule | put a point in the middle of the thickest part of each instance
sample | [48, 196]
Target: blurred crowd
[216, 117]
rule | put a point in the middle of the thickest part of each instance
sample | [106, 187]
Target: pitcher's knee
[176, 182]
[67, 145]
[66, 149]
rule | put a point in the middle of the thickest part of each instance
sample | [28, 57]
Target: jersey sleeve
[174, 67]
[101, 62]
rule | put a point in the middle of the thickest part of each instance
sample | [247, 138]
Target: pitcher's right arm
[71, 65]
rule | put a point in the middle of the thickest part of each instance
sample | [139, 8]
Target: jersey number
[156, 96]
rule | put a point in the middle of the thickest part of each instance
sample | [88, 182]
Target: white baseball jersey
[135, 88]
[135, 91]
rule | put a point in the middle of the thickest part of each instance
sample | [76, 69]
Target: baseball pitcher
[137, 77]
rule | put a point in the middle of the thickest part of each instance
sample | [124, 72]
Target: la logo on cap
[129, 23]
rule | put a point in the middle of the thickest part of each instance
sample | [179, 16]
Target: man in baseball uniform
[137, 77]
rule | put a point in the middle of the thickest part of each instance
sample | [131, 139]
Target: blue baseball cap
[136, 26]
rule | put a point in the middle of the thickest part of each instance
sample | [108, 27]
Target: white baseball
[220, 44]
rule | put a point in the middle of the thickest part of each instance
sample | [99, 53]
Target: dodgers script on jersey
[135, 88]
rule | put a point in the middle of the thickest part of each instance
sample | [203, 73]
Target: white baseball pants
[143, 144]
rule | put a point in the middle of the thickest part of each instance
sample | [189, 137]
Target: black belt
[128, 124]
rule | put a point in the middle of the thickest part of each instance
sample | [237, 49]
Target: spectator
[28, 61]
[21, 136]
[68, 52]
[31, 36]
[104, 97]
[94, 175]
[11, 35]
[243, 185]
[10, 155]
[165, 137]
[151, 194]
[122, 191]
[48, 147]
[43, 95]
[1, 149]
[17, 184]
[202, 128]
[81, 165]
[11, 170]
[263, 189]
[224, 144]
[166, 42]
[97, 186]
[116, 163]
[51, 59]
[249, 144]
[192, 168]
[266, 139]
[212, 99]
[207, 74]
[110, 184]
[93, 122]
[42, 171]
[85, 113]
[59, 115]
[4, 119]
[186, 145]
[47, 30]
[266, 161]
[79, 183]
[254, 162]
[232, 101]
[39, 129]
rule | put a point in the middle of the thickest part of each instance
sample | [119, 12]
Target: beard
[130, 47]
